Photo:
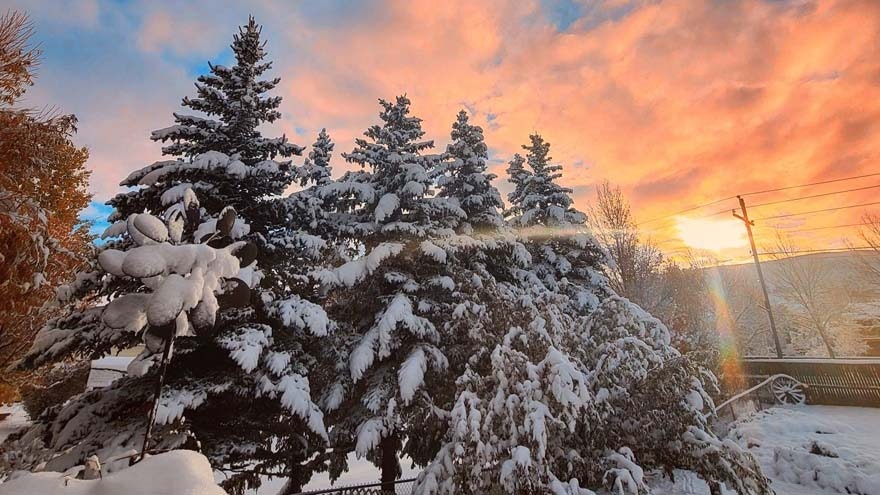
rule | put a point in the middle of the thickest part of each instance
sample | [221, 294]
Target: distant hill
[845, 268]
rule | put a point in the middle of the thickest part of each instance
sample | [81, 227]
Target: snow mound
[815, 449]
[181, 472]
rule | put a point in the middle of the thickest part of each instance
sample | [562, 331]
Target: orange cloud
[678, 102]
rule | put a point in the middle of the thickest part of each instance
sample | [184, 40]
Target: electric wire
[764, 191]
[692, 208]
[826, 227]
[803, 213]
[813, 196]
[785, 188]
[826, 250]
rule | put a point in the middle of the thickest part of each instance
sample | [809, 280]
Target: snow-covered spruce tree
[582, 389]
[394, 303]
[564, 253]
[465, 181]
[316, 168]
[537, 199]
[651, 406]
[233, 100]
[247, 379]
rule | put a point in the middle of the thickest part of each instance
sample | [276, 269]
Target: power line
[827, 227]
[700, 206]
[752, 193]
[811, 184]
[826, 250]
[667, 227]
[692, 208]
[787, 215]
[719, 212]
[814, 196]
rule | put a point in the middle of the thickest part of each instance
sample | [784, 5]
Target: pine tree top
[463, 177]
[399, 132]
[316, 169]
[537, 199]
[400, 180]
[234, 102]
[468, 142]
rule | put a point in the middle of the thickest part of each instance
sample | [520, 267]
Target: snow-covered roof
[107, 369]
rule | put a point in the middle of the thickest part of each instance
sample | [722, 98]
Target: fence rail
[838, 382]
[401, 487]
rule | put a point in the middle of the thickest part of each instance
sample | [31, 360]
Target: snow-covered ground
[812, 450]
[181, 472]
[804, 450]
[360, 471]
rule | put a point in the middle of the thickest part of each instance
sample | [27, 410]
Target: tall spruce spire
[235, 102]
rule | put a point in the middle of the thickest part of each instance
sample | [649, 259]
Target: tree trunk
[390, 465]
[825, 339]
[291, 487]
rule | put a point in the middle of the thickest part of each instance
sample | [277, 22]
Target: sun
[713, 235]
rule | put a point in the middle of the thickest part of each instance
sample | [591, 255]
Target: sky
[679, 103]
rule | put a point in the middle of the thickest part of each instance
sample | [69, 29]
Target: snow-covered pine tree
[233, 100]
[316, 168]
[652, 407]
[537, 198]
[565, 256]
[465, 180]
[234, 103]
[253, 362]
[401, 177]
[310, 222]
[392, 302]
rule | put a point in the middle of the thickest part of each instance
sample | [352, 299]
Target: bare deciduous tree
[868, 260]
[635, 263]
[675, 293]
[816, 300]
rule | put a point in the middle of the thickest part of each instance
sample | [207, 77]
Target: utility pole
[749, 224]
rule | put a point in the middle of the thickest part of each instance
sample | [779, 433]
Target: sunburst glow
[713, 235]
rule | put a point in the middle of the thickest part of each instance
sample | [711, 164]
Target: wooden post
[749, 224]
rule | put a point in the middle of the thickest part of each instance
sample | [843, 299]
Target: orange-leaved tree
[43, 186]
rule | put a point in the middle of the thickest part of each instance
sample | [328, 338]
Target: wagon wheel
[787, 390]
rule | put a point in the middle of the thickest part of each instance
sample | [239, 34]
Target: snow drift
[181, 472]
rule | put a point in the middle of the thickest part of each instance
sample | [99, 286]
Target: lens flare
[732, 376]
